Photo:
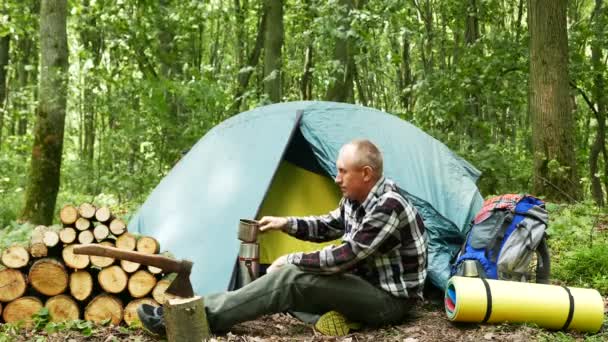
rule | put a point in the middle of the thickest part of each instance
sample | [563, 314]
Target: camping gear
[248, 230]
[479, 300]
[235, 169]
[249, 263]
[180, 286]
[505, 235]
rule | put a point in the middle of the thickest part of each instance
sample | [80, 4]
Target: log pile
[48, 274]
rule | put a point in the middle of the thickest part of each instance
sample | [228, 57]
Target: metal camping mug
[248, 230]
[249, 262]
[470, 269]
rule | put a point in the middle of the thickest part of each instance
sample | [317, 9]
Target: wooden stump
[129, 266]
[12, 284]
[83, 224]
[141, 284]
[103, 214]
[112, 279]
[22, 309]
[15, 257]
[186, 320]
[118, 227]
[81, 285]
[102, 307]
[87, 210]
[75, 261]
[100, 261]
[62, 308]
[148, 244]
[130, 316]
[68, 215]
[67, 235]
[49, 277]
[126, 241]
[85, 237]
[101, 232]
[159, 292]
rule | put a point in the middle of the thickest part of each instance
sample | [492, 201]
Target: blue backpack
[504, 237]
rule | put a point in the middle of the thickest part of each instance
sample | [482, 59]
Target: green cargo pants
[290, 288]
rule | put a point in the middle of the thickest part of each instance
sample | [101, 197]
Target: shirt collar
[373, 193]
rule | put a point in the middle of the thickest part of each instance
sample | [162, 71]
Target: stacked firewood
[48, 274]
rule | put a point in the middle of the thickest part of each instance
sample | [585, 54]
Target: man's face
[351, 178]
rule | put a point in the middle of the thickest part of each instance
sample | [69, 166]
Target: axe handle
[162, 262]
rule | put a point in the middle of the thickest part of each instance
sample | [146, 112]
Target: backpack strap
[496, 243]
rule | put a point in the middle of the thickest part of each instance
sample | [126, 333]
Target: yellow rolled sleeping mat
[479, 300]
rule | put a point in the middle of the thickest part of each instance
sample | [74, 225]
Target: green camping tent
[280, 160]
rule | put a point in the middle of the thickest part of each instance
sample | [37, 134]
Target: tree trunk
[186, 320]
[555, 172]
[43, 179]
[306, 81]
[599, 143]
[341, 81]
[48, 276]
[4, 58]
[273, 44]
[472, 105]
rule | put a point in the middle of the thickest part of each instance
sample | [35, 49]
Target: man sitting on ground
[370, 278]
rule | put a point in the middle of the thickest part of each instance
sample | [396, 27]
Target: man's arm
[379, 231]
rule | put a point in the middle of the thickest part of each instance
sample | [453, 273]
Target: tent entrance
[300, 187]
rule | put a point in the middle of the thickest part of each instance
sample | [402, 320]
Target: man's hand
[272, 222]
[277, 264]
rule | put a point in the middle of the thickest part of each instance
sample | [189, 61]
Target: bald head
[364, 153]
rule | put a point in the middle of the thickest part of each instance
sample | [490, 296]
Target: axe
[181, 286]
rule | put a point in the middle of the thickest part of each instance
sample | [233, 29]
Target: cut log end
[48, 276]
[85, 237]
[75, 261]
[118, 227]
[186, 319]
[100, 261]
[87, 210]
[159, 292]
[50, 238]
[81, 285]
[67, 235]
[101, 232]
[130, 316]
[129, 266]
[148, 244]
[104, 307]
[103, 214]
[62, 308]
[15, 257]
[12, 284]
[112, 279]
[141, 284]
[82, 224]
[68, 215]
[126, 241]
[22, 309]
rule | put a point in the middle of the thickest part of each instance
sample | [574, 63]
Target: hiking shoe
[151, 318]
[333, 323]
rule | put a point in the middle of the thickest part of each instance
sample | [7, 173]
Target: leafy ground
[430, 325]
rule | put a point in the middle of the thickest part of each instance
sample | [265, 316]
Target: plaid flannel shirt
[383, 241]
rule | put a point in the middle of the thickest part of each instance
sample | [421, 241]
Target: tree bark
[273, 44]
[4, 59]
[341, 82]
[555, 171]
[473, 108]
[306, 81]
[599, 143]
[43, 179]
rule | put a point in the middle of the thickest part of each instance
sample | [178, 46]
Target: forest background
[100, 98]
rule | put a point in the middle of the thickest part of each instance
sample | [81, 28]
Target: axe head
[181, 285]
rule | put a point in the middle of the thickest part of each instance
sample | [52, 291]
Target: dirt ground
[430, 324]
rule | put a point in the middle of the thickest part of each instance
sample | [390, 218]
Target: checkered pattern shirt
[383, 241]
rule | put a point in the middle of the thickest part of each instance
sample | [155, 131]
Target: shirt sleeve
[379, 231]
[317, 228]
